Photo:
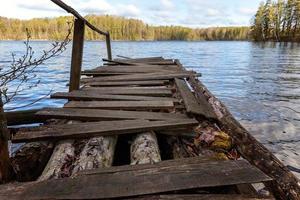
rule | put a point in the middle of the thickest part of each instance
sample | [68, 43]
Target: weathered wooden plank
[90, 95]
[127, 83]
[124, 105]
[158, 92]
[91, 129]
[190, 101]
[100, 114]
[22, 117]
[141, 77]
[146, 181]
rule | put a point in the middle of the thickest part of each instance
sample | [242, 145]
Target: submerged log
[144, 149]
[250, 148]
[97, 152]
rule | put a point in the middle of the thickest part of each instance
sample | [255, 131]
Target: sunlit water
[258, 82]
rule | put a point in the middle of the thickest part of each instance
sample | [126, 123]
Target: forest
[120, 28]
[277, 21]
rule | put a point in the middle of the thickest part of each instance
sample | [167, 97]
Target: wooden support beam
[23, 117]
[93, 129]
[77, 51]
[108, 46]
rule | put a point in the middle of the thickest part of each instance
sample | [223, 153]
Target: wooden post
[78, 40]
[108, 46]
[5, 167]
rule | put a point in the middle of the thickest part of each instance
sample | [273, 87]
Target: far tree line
[277, 21]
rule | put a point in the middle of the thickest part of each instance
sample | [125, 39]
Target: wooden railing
[78, 40]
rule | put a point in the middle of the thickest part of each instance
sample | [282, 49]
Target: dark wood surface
[90, 95]
[191, 104]
[128, 83]
[23, 117]
[101, 114]
[90, 129]
[124, 105]
[178, 176]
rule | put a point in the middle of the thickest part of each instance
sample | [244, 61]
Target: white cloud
[247, 11]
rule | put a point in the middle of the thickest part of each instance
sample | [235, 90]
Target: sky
[191, 13]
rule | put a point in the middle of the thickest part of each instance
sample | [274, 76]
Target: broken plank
[132, 69]
[157, 92]
[90, 95]
[99, 114]
[140, 77]
[127, 83]
[124, 105]
[176, 177]
[92, 129]
[190, 101]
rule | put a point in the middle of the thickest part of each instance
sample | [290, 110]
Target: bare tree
[16, 78]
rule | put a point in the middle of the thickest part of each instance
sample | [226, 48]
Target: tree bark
[5, 165]
[97, 152]
[144, 149]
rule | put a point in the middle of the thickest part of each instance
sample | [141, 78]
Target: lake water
[258, 82]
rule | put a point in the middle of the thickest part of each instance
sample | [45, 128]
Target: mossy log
[144, 149]
[250, 148]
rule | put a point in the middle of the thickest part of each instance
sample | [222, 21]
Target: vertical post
[5, 167]
[77, 51]
[108, 46]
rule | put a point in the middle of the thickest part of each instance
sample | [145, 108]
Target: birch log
[144, 149]
[97, 152]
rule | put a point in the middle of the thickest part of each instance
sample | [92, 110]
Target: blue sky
[192, 13]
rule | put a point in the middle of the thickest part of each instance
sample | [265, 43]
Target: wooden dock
[140, 128]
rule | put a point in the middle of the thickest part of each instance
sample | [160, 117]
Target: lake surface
[259, 83]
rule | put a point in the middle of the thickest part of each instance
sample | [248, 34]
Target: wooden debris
[92, 129]
[124, 105]
[99, 114]
[127, 83]
[170, 178]
[91, 95]
[144, 149]
[22, 117]
[192, 106]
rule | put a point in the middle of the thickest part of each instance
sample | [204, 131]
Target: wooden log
[157, 92]
[121, 105]
[192, 106]
[127, 83]
[108, 46]
[90, 95]
[77, 51]
[98, 152]
[180, 176]
[23, 117]
[250, 148]
[30, 160]
[140, 77]
[93, 129]
[5, 165]
[99, 114]
[144, 149]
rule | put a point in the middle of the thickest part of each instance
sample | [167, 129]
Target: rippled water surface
[258, 82]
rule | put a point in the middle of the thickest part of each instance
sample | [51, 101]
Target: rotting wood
[128, 83]
[90, 95]
[158, 92]
[140, 77]
[93, 129]
[144, 149]
[192, 106]
[30, 160]
[100, 114]
[170, 178]
[97, 152]
[124, 105]
[22, 117]
[250, 148]
[77, 51]
[128, 70]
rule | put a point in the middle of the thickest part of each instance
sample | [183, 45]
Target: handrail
[69, 9]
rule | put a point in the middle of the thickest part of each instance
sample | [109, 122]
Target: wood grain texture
[100, 114]
[192, 105]
[124, 105]
[90, 95]
[127, 83]
[91, 129]
[146, 181]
